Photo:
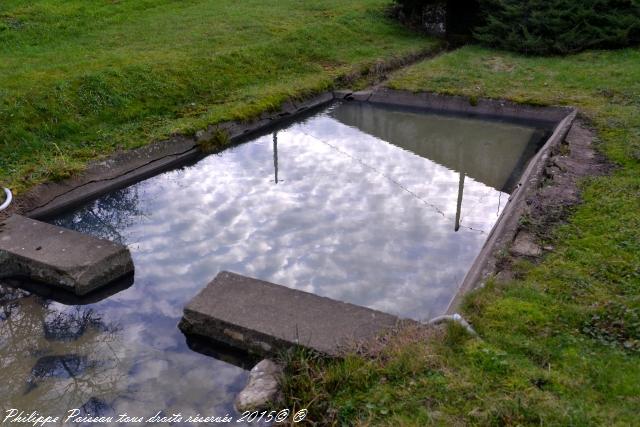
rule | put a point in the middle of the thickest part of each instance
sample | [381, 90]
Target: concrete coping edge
[86, 187]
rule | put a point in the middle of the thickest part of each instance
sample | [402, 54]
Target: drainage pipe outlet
[456, 318]
[8, 199]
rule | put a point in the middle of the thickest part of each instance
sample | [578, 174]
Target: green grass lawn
[82, 78]
[561, 346]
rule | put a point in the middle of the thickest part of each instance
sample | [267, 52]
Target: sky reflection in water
[356, 203]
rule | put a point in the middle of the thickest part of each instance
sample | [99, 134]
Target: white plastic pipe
[8, 199]
[453, 318]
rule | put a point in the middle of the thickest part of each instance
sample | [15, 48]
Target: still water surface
[377, 207]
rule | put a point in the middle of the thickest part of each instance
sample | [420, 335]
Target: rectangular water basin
[376, 206]
[380, 207]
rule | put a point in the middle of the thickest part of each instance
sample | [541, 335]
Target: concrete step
[263, 317]
[59, 257]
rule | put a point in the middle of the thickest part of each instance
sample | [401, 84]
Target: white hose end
[8, 199]
[456, 318]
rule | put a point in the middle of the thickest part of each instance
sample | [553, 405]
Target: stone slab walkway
[59, 257]
[263, 317]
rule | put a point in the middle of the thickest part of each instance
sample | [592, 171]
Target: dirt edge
[548, 194]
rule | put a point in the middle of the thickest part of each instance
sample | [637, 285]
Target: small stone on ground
[262, 388]
[524, 245]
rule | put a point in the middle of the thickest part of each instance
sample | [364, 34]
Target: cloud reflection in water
[351, 216]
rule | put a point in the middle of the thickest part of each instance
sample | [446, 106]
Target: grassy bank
[561, 344]
[82, 78]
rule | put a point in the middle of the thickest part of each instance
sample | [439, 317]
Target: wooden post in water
[275, 155]
[459, 207]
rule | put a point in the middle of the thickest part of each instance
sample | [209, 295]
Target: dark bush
[558, 26]
[537, 27]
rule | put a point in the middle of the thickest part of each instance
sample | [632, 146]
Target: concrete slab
[59, 257]
[263, 317]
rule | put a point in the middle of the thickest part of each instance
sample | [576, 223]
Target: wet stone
[9, 300]
[10, 294]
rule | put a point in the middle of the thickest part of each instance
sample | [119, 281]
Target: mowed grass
[561, 345]
[82, 78]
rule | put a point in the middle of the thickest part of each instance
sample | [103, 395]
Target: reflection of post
[460, 189]
[275, 154]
